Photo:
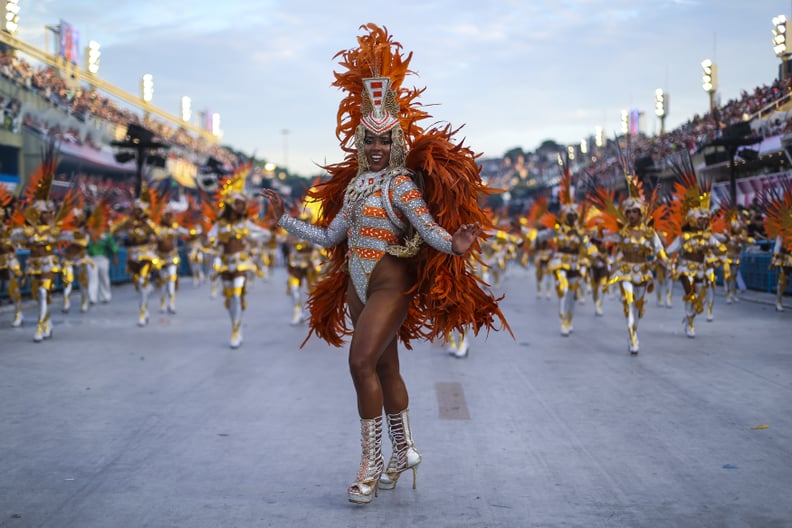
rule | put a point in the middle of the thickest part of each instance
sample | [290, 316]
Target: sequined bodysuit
[377, 208]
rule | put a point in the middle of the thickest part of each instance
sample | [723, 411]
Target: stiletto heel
[364, 489]
[404, 455]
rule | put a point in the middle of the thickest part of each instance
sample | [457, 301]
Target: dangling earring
[360, 137]
[397, 148]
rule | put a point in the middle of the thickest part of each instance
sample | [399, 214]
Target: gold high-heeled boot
[404, 455]
[364, 489]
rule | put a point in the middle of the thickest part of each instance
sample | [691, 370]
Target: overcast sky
[513, 72]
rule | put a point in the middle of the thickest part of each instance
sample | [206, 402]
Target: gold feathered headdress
[232, 187]
[566, 195]
[635, 196]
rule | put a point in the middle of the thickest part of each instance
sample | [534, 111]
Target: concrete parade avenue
[110, 425]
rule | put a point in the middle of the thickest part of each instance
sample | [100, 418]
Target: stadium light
[216, 125]
[186, 108]
[709, 80]
[10, 13]
[92, 54]
[147, 87]
[661, 108]
[780, 41]
[625, 122]
[599, 136]
[782, 47]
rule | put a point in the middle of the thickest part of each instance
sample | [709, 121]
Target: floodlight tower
[661, 108]
[709, 80]
[781, 44]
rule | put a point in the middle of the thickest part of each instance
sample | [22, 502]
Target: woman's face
[633, 216]
[377, 150]
[239, 206]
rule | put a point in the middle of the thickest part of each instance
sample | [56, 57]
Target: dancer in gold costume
[690, 222]
[778, 224]
[737, 238]
[142, 260]
[231, 236]
[572, 248]
[76, 259]
[10, 269]
[38, 230]
[630, 226]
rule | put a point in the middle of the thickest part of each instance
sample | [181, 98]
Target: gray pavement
[111, 425]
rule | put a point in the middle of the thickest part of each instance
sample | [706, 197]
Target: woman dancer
[631, 229]
[690, 221]
[394, 286]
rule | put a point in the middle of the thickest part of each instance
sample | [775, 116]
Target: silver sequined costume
[372, 224]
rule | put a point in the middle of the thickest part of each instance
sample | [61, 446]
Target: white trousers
[99, 280]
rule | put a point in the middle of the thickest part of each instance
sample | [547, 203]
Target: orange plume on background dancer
[447, 295]
[690, 197]
[778, 212]
[611, 212]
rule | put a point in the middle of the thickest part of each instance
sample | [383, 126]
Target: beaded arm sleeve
[408, 200]
[323, 236]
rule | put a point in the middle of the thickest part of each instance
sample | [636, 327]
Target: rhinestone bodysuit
[377, 208]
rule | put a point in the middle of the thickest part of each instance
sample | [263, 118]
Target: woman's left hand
[464, 237]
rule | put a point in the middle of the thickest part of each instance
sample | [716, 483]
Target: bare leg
[373, 354]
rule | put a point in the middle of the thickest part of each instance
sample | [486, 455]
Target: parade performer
[542, 249]
[458, 344]
[599, 270]
[737, 238]
[299, 264]
[142, 260]
[76, 258]
[630, 226]
[396, 179]
[38, 231]
[193, 240]
[664, 277]
[232, 235]
[572, 247]
[269, 253]
[778, 224]
[10, 270]
[168, 231]
[690, 224]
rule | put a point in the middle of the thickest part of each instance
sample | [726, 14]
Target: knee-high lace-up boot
[364, 489]
[404, 455]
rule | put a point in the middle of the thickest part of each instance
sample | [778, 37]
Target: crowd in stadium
[84, 103]
[88, 105]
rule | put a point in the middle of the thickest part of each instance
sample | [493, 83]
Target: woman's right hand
[275, 201]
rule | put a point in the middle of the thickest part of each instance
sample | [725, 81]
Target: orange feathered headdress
[37, 191]
[372, 78]
[777, 203]
[690, 198]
